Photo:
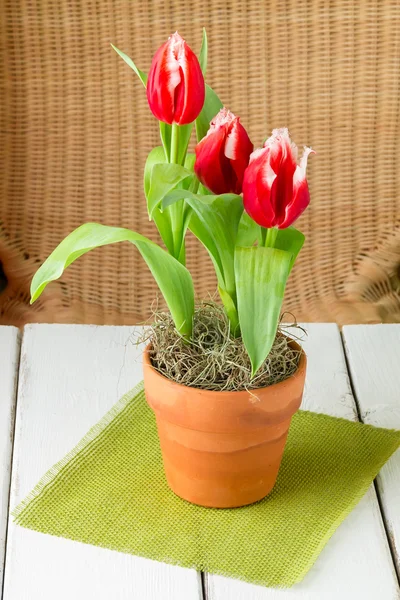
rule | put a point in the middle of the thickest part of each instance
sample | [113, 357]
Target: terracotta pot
[222, 449]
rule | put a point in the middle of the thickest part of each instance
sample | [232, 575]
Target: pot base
[209, 495]
[227, 477]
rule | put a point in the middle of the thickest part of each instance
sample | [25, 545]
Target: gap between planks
[361, 416]
[16, 358]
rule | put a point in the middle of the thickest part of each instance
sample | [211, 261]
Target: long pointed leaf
[203, 52]
[141, 74]
[261, 275]
[173, 279]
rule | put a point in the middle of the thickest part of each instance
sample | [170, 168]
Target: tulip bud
[175, 86]
[275, 190]
[223, 154]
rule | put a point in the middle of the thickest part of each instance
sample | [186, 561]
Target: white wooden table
[60, 379]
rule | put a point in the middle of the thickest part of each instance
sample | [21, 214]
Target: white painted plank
[356, 562]
[373, 353]
[70, 375]
[9, 358]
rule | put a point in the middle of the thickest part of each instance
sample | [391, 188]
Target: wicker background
[75, 131]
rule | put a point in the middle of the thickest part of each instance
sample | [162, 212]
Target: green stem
[194, 186]
[164, 139]
[176, 214]
[271, 237]
[175, 210]
[263, 235]
[174, 143]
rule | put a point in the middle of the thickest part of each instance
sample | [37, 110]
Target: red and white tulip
[223, 154]
[175, 86]
[275, 189]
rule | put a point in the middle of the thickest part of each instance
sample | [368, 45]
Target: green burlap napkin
[110, 491]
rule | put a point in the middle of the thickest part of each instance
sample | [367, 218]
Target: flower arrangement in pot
[223, 381]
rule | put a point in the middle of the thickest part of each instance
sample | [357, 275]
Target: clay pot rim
[236, 393]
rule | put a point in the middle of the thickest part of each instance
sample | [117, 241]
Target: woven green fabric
[110, 491]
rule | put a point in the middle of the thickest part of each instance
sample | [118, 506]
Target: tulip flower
[275, 190]
[175, 86]
[223, 154]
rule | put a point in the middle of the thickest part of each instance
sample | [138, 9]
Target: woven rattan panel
[76, 129]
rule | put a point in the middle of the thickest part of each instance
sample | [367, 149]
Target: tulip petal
[304, 158]
[164, 76]
[238, 148]
[190, 94]
[266, 188]
[300, 201]
[283, 163]
[301, 194]
[208, 167]
[256, 195]
[232, 140]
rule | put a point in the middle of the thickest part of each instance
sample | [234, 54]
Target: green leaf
[212, 105]
[261, 275]
[186, 216]
[164, 178]
[291, 240]
[163, 224]
[204, 191]
[162, 220]
[173, 279]
[171, 224]
[230, 310]
[184, 133]
[189, 162]
[155, 156]
[203, 52]
[215, 221]
[179, 213]
[175, 195]
[141, 74]
[249, 231]
[165, 134]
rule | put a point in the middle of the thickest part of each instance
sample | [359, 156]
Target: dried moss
[214, 360]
